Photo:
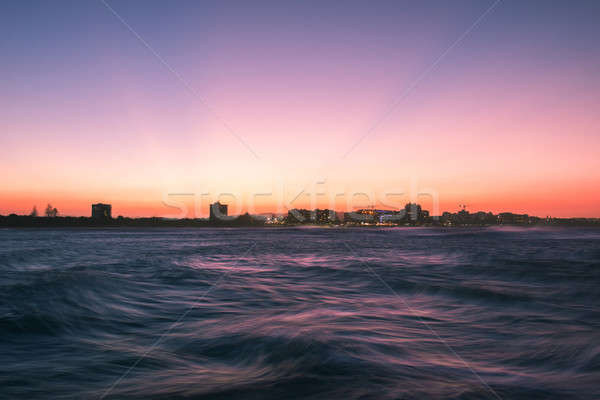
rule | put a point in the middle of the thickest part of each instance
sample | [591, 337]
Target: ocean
[300, 313]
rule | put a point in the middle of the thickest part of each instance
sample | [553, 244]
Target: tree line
[49, 212]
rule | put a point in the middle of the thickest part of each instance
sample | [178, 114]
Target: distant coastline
[246, 220]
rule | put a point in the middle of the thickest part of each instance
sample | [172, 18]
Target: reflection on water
[300, 313]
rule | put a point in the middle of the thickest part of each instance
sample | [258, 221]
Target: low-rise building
[101, 211]
[218, 212]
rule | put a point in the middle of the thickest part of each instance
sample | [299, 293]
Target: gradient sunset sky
[492, 105]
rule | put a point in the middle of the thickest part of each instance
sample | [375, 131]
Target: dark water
[300, 313]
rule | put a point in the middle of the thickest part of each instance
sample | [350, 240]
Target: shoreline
[248, 221]
[281, 227]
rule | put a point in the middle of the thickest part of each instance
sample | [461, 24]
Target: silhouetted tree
[34, 212]
[51, 212]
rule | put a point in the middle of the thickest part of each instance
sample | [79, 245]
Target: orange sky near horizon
[507, 120]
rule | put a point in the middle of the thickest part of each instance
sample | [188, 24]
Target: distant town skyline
[490, 104]
[411, 215]
[209, 210]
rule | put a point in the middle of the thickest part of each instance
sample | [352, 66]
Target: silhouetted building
[218, 211]
[414, 213]
[324, 216]
[363, 216]
[372, 216]
[299, 216]
[484, 218]
[101, 211]
[317, 216]
[507, 218]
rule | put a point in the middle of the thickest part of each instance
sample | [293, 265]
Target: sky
[162, 107]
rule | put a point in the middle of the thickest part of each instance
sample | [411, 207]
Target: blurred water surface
[291, 313]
